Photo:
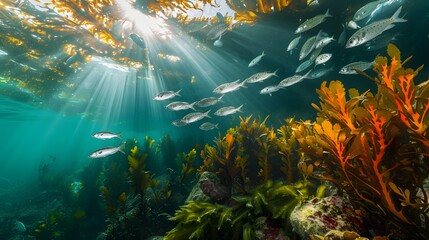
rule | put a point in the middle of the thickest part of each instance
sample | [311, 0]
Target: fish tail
[121, 148]
[242, 84]
[327, 13]
[119, 135]
[219, 98]
[396, 17]
[239, 108]
[216, 125]
[178, 93]
[192, 106]
[207, 114]
[275, 72]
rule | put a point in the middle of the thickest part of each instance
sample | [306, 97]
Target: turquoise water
[55, 129]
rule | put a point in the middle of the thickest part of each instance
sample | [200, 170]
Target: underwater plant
[238, 220]
[374, 147]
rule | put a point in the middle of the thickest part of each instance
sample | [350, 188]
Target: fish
[208, 126]
[342, 38]
[319, 73]
[313, 3]
[304, 65]
[72, 59]
[229, 87]
[381, 41]
[367, 10]
[195, 116]
[308, 46]
[256, 59]
[323, 58]
[218, 42]
[166, 95]
[292, 45]
[20, 226]
[218, 30]
[177, 106]
[349, 68]
[261, 76]
[104, 152]
[228, 110]
[270, 89]
[352, 25]
[106, 135]
[374, 29]
[323, 42]
[289, 81]
[137, 40]
[315, 53]
[207, 102]
[3, 53]
[312, 22]
[179, 123]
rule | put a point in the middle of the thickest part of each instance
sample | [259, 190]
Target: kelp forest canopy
[51, 39]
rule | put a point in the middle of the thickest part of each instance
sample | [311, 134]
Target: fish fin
[239, 108]
[178, 93]
[219, 98]
[242, 84]
[306, 75]
[275, 72]
[396, 17]
[120, 135]
[263, 54]
[327, 13]
[389, 27]
[207, 113]
[121, 148]
[270, 94]
[192, 105]
[216, 125]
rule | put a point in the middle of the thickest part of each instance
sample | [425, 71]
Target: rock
[318, 216]
[197, 195]
[212, 187]
[267, 229]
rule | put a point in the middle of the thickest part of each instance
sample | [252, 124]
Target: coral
[374, 147]
[319, 215]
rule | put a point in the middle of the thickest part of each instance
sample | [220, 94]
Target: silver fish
[138, 40]
[315, 53]
[323, 42]
[228, 110]
[208, 126]
[217, 30]
[309, 45]
[319, 73]
[193, 117]
[179, 123]
[177, 106]
[342, 38]
[104, 152]
[106, 135]
[292, 45]
[323, 58]
[3, 53]
[352, 25]
[259, 77]
[257, 59]
[229, 87]
[289, 81]
[304, 65]
[270, 89]
[218, 42]
[367, 9]
[166, 95]
[374, 29]
[207, 102]
[312, 22]
[349, 68]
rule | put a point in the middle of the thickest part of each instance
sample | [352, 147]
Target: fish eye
[100, 152]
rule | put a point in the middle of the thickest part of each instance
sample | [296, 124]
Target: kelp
[374, 147]
[202, 220]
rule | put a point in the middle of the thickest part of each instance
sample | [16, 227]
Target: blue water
[56, 128]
